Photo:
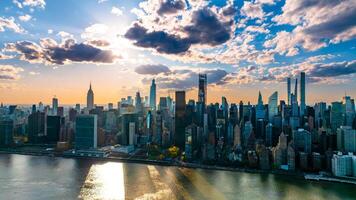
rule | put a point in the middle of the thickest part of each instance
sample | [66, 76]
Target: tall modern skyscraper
[153, 95]
[336, 117]
[90, 98]
[296, 89]
[129, 124]
[37, 130]
[86, 132]
[288, 91]
[269, 135]
[6, 131]
[302, 140]
[180, 121]
[272, 106]
[302, 93]
[294, 103]
[241, 111]
[138, 102]
[260, 109]
[53, 128]
[54, 106]
[202, 90]
[349, 110]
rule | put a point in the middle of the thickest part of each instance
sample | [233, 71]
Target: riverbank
[299, 175]
[45, 177]
[157, 162]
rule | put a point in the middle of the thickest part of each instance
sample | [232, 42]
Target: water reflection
[104, 181]
[163, 191]
[30, 177]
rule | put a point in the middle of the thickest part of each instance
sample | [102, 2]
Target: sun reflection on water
[104, 181]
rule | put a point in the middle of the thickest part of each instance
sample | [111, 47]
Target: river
[40, 177]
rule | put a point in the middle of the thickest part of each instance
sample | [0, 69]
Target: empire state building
[90, 98]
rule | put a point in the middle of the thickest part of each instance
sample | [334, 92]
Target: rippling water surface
[31, 177]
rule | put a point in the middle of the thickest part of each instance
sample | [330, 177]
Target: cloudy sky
[52, 48]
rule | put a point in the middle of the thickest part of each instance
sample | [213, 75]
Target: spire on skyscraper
[153, 95]
[260, 110]
[260, 98]
[90, 98]
[288, 91]
[202, 88]
[296, 89]
[302, 93]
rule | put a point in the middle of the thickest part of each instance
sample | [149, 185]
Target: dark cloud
[332, 69]
[29, 51]
[267, 77]
[205, 28]
[187, 79]
[159, 40]
[152, 69]
[7, 77]
[3, 56]
[315, 72]
[170, 7]
[78, 53]
[9, 72]
[336, 25]
[52, 53]
[229, 11]
[304, 4]
[99, 43]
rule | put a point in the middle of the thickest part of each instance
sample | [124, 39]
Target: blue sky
[57, 47]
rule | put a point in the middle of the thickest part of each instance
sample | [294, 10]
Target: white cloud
[25, 18]
[9, 23]
[64, 35]
[258, 29]
[5, 57]
[318, 23]
[95, 31]
[9, 72]
[30, 3]
[116, 11]
[252, 10]
[34, 73]
[269, 2]
[17, 3]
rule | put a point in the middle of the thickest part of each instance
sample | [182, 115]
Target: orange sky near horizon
[103, 94]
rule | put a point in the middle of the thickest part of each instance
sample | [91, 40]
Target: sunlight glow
[104, 181]
[163, 191]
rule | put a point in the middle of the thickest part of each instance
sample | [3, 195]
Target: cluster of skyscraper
[277, 135]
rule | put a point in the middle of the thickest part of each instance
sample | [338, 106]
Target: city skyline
[178, 99]
[256, 45]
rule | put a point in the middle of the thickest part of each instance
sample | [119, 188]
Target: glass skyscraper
[54, 106]
[288, 91]
[272, 106]
[180, 121]
[302, 93]
[6, 131]
[153, 95]
[202, 90]
[86, 132]
[90, 98]
[260, 109]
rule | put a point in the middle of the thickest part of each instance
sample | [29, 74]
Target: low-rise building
[344, 165]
